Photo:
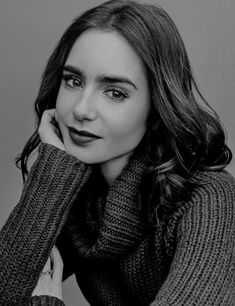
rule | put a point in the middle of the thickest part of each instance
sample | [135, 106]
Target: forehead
[100, 52]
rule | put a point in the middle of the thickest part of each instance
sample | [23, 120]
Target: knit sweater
[189, 260]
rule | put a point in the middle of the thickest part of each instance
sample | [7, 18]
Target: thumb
[57, 265]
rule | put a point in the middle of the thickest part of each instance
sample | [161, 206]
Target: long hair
[184, 133]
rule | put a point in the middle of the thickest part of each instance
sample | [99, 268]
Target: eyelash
[66, 78]
[124, 94]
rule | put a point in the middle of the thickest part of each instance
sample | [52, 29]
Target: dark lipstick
[81, 137]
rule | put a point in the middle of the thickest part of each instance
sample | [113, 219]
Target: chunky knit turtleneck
[121, 225]
[188, 260]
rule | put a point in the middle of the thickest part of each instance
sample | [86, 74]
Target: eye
[72, 81]
[117, 94]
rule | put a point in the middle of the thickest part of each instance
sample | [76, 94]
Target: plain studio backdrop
[29, 30]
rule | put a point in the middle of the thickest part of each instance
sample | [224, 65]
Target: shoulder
[214, 177]
[208, 217]
[209, 212]
[212, 203]
[213, 190]
[213, 187]
[203, 244]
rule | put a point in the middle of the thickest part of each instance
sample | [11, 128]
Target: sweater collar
[121, 228]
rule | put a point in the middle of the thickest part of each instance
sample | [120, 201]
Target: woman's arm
[30, 232]
[203, 269]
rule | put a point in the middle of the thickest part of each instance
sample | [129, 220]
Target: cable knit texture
[189, 259]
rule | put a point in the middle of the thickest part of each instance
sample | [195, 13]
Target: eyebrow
[101, 78]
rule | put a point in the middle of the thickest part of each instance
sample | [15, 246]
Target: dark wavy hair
[184, 133]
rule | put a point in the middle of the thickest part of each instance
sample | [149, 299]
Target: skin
[51, 284]
[112, 109]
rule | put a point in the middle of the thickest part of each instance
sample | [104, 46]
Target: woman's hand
[49, 130]
[51, 284]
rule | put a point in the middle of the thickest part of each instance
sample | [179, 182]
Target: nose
[84, 108]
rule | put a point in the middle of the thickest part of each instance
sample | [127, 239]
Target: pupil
[116, 94]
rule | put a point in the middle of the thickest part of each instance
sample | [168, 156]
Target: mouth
[81, 137]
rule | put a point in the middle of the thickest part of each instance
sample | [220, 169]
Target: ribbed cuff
[44, 300]
[54, 163]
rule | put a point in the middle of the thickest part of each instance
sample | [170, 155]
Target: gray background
[29, 30]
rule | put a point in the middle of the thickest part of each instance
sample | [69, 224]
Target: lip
[81, 137]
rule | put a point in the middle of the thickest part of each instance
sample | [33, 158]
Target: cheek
[62, 106]
[58, 103]
[126, 127]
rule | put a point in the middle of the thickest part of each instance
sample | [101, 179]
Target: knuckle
[60, 262]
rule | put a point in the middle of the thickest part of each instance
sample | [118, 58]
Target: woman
[129, 181]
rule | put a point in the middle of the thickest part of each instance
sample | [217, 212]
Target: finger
[57, 265]
[50, 111]
[48, 115]
[51, 117]
[49, 131]
[47, 265]
[48, 122]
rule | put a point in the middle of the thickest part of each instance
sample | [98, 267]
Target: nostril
[81, 116]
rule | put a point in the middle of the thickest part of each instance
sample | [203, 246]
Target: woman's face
[103, 102]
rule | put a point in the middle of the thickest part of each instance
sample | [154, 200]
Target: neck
[112, 168]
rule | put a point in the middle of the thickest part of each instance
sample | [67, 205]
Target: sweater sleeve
[45, 300]
[203, 269]
[31, 230]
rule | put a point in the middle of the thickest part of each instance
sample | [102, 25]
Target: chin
[84, 157]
